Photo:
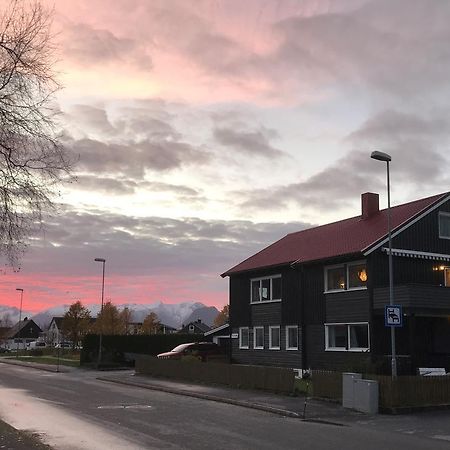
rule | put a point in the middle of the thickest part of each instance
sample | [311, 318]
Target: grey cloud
[134, 158]
[90, 118]
[416, 142]
[90, 46]
[143, 246]
[398, 47]
[124, 186]
[255, 142]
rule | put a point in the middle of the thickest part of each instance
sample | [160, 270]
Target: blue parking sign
[393, 316]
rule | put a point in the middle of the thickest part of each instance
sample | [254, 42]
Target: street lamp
[102, 260]
[20, 319]
[384, 157]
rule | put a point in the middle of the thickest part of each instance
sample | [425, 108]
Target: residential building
[316, 298]
[21, 334]
[197, 327]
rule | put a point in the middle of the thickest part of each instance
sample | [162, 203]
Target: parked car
[4, 350]
[200, 350]
[64, 345]
[36, 344]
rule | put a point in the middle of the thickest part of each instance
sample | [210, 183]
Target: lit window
[259, 337]
[291, 338]
[447, 276]
[267, 289]
[274, 338]
[346, 276]
[357, 275]
[444, 225]
[243, 338]
[347, 337]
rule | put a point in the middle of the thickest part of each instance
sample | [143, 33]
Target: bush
[119, 349]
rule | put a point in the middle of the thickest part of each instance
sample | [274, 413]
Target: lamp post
[102, 260]
[384, 157]
[20, 320]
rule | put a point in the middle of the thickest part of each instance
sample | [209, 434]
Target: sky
[205, 130]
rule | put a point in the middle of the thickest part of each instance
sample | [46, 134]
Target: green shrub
[119, 349]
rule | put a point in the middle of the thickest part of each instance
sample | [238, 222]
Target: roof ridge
[437, 196]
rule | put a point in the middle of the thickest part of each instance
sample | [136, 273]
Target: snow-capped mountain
[174, 315]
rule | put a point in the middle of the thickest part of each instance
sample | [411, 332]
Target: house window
[444, 225]
[267, 289]
[291, 338]
[258, 337]
[347, 337]
[346, 277]
[243, 338]
[274, 338]
[335, 278]
[447, 276]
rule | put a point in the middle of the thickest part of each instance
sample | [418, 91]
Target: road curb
[214, 398]
[12, 362]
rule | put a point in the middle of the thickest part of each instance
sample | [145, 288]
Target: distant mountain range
[175, 315]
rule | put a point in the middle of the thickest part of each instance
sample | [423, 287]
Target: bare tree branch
[32, 161]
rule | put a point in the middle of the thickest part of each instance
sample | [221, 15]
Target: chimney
[370, 205]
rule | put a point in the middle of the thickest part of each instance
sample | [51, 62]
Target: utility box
[366, 396]
[348, 389]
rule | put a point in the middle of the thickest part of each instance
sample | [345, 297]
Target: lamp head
[19, 289]
[380, 156]
[100, 260]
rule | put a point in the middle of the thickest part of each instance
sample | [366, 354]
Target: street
[74, 410]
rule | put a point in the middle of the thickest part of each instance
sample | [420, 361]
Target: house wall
[421, 236]
[245, 314]
[305, 304]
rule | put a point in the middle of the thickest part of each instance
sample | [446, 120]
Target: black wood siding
[421, 236]
[416, 298]
[348, 306]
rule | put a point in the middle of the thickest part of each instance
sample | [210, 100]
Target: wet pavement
[433, 425]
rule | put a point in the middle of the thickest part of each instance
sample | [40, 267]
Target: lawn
[64, 360]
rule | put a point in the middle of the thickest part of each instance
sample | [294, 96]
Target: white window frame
[446, 271]
[254, 338]
[346, 276]
[268, 277]
[442, 214]
[347, 349]
[248, 338]
[288, 327]
[271, 346]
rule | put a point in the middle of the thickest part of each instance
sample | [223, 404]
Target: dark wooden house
[316, 298]
[197, 327]
[21, 334]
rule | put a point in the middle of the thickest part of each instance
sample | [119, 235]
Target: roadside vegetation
[48, 356]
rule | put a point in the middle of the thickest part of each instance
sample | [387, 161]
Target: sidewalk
[289, 406]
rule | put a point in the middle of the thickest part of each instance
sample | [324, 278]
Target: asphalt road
[76, 411]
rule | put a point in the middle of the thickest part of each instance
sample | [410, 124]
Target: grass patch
[303, 386]
[63, 360]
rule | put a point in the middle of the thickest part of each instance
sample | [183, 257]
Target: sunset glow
[205, 130]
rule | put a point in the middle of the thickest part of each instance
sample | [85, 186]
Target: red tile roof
[334, 239]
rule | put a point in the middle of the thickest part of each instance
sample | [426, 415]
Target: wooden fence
[401, 393]
[277, 379]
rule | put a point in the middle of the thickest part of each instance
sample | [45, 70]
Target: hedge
[119, 349]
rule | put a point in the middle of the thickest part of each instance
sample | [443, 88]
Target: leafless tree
[32, 161]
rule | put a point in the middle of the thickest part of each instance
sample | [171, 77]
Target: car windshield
[180, 348]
